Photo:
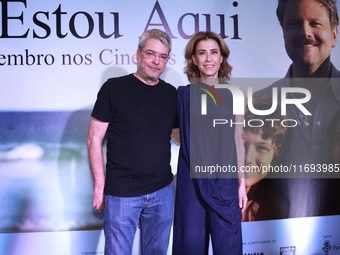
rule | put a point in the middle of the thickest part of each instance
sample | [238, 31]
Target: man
[310, 31]
[137, 112]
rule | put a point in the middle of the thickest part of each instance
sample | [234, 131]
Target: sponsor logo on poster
[92, 253]
[330, 246]
[289, 250]
[336, 247]
[327, 246]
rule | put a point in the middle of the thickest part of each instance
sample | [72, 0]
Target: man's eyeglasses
[151, 55]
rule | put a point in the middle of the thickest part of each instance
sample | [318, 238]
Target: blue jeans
[154, 214]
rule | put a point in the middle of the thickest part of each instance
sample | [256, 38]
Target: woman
[208, 202]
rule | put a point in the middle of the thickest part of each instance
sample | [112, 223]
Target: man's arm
[95, 138]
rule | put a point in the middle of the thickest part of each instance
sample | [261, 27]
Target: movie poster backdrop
[55, 55]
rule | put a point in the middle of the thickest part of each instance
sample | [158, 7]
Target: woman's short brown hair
[191, 70]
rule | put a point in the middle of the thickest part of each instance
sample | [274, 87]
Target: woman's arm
[242, 193]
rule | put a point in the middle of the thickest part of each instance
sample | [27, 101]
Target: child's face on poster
[259, 153]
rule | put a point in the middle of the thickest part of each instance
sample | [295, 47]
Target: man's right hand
[98, 201]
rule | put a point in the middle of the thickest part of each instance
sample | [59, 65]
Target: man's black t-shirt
[140, 118]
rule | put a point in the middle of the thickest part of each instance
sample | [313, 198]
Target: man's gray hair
[155, 34]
